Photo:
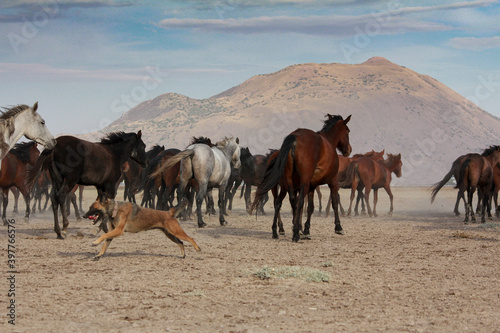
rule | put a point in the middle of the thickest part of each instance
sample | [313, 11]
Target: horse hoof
[282, 232]
[275, 236]
[340, 232]
[308, 237]
[202, 225]
[223, 223]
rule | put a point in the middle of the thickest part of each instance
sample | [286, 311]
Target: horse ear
[346, 120]
[139, 134]
[35, 106]
[238, 140]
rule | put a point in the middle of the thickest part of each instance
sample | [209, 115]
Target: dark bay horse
[76, 161]
[369, 174]
[306, 160]
[133, 174]
[15, 166]
[471, 172]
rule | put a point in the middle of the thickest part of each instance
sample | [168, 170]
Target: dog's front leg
[113, 233]
[103, 249]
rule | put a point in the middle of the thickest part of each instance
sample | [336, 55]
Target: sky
[88, 61]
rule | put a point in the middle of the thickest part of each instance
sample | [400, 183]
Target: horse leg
[460, 195]
[297, 212]
[75, 206]
[210, 202]
[318, 191]
[391, 198]
[342, 212]
[368, 189]
[247, 196]
[200, 197]
[334, 193]
[327, 208]
[15, 191]
[55, 209]
[222, 204]
[5, 203]
[359, 198]
[27, 200]
[310, 211]
[375, 200]
[353, 193]
[362, 199]
[262, 203]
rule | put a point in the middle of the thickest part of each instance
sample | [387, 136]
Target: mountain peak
[378, 61]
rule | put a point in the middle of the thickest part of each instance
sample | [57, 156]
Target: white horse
[23, 120]
[210, 167]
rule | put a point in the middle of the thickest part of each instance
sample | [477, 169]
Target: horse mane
[22, 150]
[12, 111]
[202, 140]
[330, 122]
[490, 150]
[155, 150]
[116, 137]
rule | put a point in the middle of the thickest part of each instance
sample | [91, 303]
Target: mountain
[392, 107]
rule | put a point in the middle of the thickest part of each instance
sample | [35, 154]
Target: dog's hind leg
[177, 241]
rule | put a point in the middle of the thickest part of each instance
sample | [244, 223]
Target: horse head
[231, 147]
[36, 129]
[395, 164]
[337, 129]
[139, 151]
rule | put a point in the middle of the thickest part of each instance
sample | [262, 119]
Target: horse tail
[172, 161]
[43, 162]
[275, 170]
[464, 173]
[349, 174]
[456, 166]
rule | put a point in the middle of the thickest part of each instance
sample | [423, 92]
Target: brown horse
[473, 171]
[344, 183]
[14, 171]
[369, 174]
[306, 160]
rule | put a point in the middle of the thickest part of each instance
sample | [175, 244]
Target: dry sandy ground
[421, 270]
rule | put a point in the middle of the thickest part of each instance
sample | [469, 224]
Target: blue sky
[88, 61]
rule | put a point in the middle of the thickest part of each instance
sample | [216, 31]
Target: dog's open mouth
[96, 217]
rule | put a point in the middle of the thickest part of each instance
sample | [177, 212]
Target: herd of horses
[306, 160]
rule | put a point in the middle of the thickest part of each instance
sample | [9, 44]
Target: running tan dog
[126, 216]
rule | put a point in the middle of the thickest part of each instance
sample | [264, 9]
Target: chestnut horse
[306, 160]
[370, 174]
[14, 171]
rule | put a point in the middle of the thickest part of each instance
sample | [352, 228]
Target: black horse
[76, 161]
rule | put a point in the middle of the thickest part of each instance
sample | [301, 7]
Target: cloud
[63, 3]
[336, 25]
[389, 21]
[474, 43]
[40, 72]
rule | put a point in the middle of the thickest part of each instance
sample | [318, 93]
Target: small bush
[287, 272]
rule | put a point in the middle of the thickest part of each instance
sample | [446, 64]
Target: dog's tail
[171, 162]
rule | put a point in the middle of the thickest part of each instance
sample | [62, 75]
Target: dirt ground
[421, 270]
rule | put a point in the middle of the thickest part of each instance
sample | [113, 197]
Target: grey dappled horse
[210, 167]
[22, 120]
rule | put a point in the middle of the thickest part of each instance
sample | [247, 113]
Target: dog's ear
[179, 208]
